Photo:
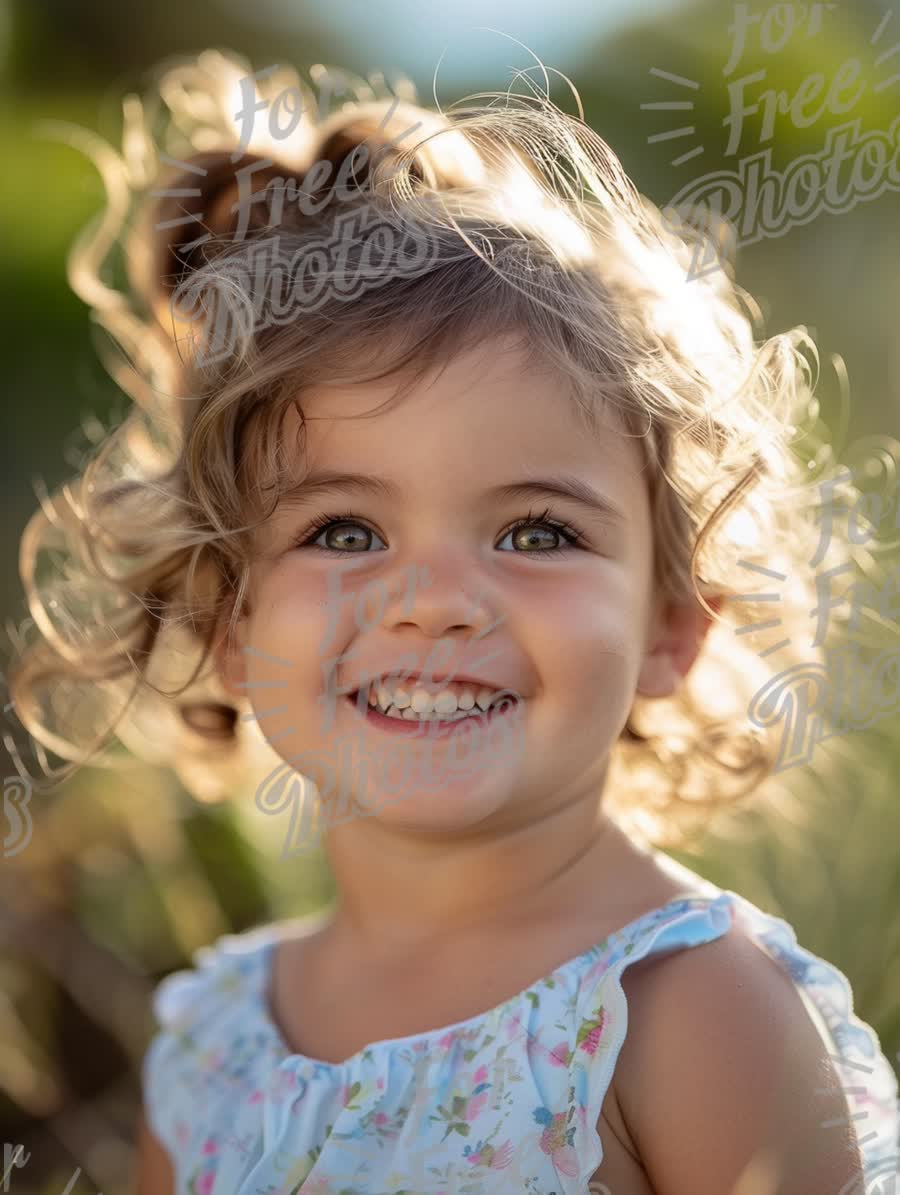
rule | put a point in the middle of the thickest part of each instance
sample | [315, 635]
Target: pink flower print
[555, 1141]
[560, 1055]
[447, 1040]
[205, 1182]
[590, 1043]
[566, 1160]
[591, 1031]
[282, 1083]
[553, 1137]
[494, 1159]
[381, 1118]
[475, 1104]
[210, 1146]
[480, 1075]
[255, 1097]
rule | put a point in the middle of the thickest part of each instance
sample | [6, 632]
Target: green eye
[346, 529]
[548, 527]
[324, 524]
[350, 525]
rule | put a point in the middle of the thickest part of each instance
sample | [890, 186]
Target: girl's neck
[600, 881]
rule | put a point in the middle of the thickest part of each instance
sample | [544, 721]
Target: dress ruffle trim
[869, 1082]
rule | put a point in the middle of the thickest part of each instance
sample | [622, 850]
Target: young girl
[462, 348]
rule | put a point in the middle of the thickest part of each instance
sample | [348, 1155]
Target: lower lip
[430, 729]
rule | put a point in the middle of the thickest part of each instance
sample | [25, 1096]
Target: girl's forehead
[489, 369]
[488, 408]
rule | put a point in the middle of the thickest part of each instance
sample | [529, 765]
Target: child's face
[574, 631]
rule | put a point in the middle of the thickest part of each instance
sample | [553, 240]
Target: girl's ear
[677, 636]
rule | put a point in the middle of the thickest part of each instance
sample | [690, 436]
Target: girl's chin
[437, 811]
[445, 801]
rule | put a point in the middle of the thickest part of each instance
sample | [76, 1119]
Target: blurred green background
[126, 874]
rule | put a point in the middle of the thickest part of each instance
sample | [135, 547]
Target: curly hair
[530, 226]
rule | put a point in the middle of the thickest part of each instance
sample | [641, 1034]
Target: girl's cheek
[284, 638]
[604, 614]
[594, 649]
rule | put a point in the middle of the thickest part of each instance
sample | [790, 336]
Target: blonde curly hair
[531, 225]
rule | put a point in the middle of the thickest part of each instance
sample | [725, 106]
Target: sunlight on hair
[528, 206]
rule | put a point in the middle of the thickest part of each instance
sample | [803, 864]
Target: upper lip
[438, 679]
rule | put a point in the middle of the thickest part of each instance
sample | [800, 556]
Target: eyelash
[571, 534]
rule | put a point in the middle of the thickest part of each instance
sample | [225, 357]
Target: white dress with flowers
[506, 1101]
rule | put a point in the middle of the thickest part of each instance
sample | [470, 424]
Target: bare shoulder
[153, 1173]
[723, 1079]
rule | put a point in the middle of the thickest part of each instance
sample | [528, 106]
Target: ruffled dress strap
[206, 1043]
[869, 1082]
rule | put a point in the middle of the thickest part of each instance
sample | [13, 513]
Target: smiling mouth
[432, 726]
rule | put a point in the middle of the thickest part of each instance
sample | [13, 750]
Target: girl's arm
[153, 1171]
[724, 1082]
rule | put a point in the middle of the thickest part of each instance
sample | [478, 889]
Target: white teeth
[431, 716]
[418, 704]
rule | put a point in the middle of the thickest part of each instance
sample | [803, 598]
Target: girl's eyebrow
[563, 485]
[560, 486]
